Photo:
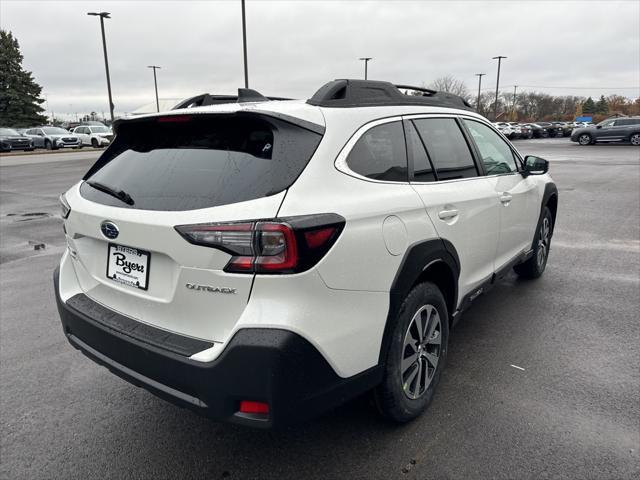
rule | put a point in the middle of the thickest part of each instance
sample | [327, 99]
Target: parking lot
[570, 410]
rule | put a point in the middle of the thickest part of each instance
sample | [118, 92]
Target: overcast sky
[586, 47]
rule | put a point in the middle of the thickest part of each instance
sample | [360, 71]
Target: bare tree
[450, 84]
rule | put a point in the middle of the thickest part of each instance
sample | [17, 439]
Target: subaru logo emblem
[109, 230]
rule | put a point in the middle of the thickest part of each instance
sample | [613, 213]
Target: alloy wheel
[543, 242]
[584, 139]
[635, 139]
[421, 351]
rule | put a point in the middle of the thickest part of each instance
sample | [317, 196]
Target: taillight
[287, 245]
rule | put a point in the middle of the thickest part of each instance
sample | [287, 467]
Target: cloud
[295, 47]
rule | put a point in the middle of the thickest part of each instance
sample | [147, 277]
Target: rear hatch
[163, 172]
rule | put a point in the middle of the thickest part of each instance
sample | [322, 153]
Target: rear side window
[380, 154]
[201, 161]
[447, 148]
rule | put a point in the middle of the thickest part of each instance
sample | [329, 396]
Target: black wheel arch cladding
[417, 259]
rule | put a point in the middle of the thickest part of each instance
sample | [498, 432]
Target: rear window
[201, 162]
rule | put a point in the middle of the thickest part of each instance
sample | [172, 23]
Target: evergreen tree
[19, 93]
[589, 106]
[602, 106]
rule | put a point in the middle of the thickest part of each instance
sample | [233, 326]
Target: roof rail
[244, 95]
[371, 93]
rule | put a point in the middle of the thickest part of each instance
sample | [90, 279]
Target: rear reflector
[289, 245]
[254, 407]
[174, 119]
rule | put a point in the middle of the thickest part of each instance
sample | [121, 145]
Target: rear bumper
[274, 366]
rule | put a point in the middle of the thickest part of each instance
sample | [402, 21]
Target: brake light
[288, 245]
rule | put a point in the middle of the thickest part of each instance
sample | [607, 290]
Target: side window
[447, 148]
[380, 154]
[422, 169]
[497, 156]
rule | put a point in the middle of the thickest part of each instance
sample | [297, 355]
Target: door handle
[505, 198]
[447, 214]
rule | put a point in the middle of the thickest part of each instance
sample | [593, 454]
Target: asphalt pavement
[542, 381]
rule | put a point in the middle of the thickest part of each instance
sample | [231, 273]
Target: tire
[94, 143]
[635, 139]
[585, 139]
[404, 395]
[535, 266]
[544, 134]
[47, 145]
[529, 135]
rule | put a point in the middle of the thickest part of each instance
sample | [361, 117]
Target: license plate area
[128, 266]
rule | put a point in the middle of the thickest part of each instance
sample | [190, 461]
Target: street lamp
[479, 75]
[102, 16]
[495, 106]
[155, 82]
[244, 47]
[366, 61]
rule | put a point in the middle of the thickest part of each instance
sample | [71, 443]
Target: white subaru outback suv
[262, 261]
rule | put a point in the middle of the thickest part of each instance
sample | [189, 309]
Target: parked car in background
[11, 139]
[52, 138]
[95, 135]
[505, 129]
[552, 130]
[621, 129]
[562, 129]
[526, 131]
[538, 131]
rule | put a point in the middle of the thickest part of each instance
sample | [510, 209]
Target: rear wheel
[585, 139]
[635, 139]
[534, 267]
[416, 355]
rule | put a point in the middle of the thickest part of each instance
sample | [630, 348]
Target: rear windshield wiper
[114, 192]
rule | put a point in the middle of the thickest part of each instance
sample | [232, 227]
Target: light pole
[244, 47]
[513, 107]
[102, 16]
[366, 61]
[155, 82]
[495, 106]
[479, 75]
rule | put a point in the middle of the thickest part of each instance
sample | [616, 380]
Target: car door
[606, 131]
[82, 133]
[459, 200]
[517, 196]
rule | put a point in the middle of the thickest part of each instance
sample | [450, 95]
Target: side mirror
[535, 165]
[598, 126]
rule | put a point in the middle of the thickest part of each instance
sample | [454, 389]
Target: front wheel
[416, 355]
[584, 139]
[534, 267]
[635, 139]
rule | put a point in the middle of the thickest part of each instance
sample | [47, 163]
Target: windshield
[8, 131]
[54, 131]
[200, 162]
[100, 130]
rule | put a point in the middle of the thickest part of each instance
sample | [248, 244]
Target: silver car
[53, 138]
